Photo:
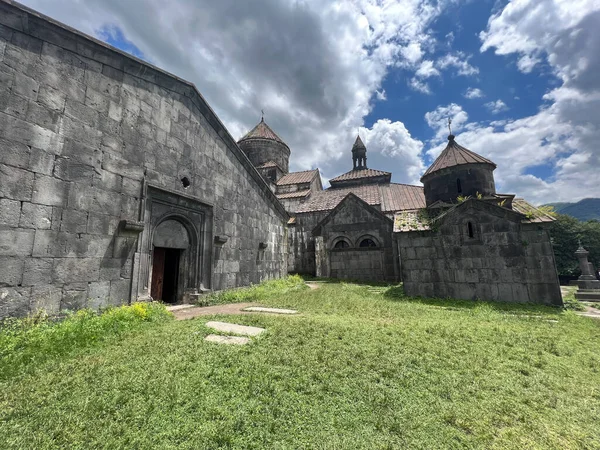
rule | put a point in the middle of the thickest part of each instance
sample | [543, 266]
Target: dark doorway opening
[165, 274]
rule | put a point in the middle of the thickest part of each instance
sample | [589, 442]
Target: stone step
[229, 340]
[588, 296]
[270, 310]
[233, 328]
[179, 307]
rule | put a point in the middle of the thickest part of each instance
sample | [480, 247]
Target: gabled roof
[305, 176]
[351, 197]
[455, 155]
[262, 131]
[359, 174]
[401, 197]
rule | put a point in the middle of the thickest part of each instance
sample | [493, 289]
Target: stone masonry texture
[85, 132]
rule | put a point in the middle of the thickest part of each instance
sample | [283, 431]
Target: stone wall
[85, 131]
[474, 178]
[505, 260]
[261, 151]
[354, 221]
[301, 243]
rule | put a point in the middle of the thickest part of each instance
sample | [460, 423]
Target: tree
[566, 232]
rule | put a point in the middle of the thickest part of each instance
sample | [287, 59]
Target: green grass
[256, 292]
[361, 367]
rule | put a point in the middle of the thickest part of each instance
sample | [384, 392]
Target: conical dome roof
[358, 144]
[262, 131]
[455, 155]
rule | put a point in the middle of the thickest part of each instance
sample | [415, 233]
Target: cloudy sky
[520, 79]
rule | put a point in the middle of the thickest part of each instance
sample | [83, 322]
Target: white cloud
[458, 61]
[426, 70]
[565, 134]
[472, 93]
[314, 66]
[419, 85]
[392, 139]
[438, 120]
[381, 95]
[496, 107]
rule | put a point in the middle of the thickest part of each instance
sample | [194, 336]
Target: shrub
[38, 338]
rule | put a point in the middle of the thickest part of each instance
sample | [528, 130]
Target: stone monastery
[119, 183]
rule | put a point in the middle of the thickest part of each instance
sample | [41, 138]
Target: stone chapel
[119, 183]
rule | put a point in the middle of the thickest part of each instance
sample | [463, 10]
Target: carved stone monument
[589, 286]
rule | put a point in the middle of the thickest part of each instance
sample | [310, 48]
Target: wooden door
[158, 273]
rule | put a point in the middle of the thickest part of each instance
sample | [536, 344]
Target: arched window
[341, 244]
[458, 186]
[470, 230]
[367, 243]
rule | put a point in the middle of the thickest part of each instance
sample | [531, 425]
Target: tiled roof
[531, 213]
[329, 198]
[294, 194]
[298, 177]
[267, 165]
[262, 131]
[455, 155]
[401, 197]
[361, 173]
[392, 197]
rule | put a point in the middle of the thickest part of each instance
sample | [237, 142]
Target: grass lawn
[361, 367]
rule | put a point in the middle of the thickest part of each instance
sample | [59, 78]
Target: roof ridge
[262, 131]
[455, 155]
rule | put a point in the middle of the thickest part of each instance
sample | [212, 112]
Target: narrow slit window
[458, 186]
[470, 230]
[341, 244]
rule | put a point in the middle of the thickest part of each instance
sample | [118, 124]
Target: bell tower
[359, 155]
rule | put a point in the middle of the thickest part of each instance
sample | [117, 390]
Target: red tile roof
[298, 177]
[391, 197]
[294, 194]
[455, 155]
[361, 173]
[262, 131]
[401, 197]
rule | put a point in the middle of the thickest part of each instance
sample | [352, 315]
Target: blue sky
[518, 78]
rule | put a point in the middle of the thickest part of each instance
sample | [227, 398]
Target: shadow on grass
[396, 293]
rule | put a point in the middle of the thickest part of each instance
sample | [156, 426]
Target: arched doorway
[170, 245]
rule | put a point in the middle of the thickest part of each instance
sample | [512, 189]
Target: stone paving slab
[195, 311]
[270, 310]
[179, 307]
[229, 340]
[233, 328]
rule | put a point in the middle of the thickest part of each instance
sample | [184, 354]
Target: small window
[341, 244]
[272, 175]
[458, 186]
[470, 230]
[367, 243]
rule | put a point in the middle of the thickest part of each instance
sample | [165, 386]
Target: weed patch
[257, 292]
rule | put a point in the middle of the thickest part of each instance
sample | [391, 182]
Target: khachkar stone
[589, 286]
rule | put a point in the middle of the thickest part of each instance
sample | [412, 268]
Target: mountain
[586, 209]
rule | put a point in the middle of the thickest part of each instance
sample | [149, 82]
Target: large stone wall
[474, 179]
[261, 151]
[505, 260]
[85, 131]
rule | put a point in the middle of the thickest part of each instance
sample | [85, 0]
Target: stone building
[117, 180]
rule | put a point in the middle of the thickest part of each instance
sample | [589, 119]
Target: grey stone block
[37, 271]
[51, 98]
[81, 112]
[50, 191]
[96, 100]
[74, 221]
[122, 167]
[10, 211]
[42, 116]
[16, 106]
[72, 270]
[26, 86]
[102, 224]
[83, 153]
[15, 184]
[98, 294]
[70, 170]
[14, 301]
[74, 297]
[35, 216]
[119, 292]
[46, 298]
[16, 242]
[41, 162]
[11, 271]
[13, 128]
